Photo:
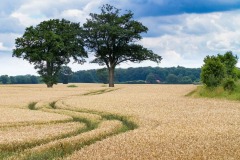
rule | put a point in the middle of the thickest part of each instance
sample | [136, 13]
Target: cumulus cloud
[177, 30]
[35, 11]
[14, 66]
[192, 36]
[3, 48]
[8, 40]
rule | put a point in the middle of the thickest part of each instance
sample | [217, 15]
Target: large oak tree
[49, 45]
[112, 36]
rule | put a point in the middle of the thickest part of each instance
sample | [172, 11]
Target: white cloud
[14, 66]
[28, 20]
[3, 48]
[192, 36]
[74, 15]
[8, 40]
[180, 39]
[34, 11]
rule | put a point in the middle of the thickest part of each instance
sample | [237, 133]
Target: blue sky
[183, 32]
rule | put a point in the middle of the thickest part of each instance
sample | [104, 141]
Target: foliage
[213, 71]
[4, 79]
[186, 80]
[134, 82]
[102, 75]
[229, 84]
[24, 79]
[151, 79]
[229, 61]
[139, 75]
[218, 92]
[65, 74]
[112, 36]
[83, 76]
[237, 72]
[49, 45]
[172, 79]
[129, 76]
[219, 68]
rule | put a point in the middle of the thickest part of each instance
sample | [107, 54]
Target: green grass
[32, 105]
[72, 86]
[217, 92]
[53, 104]
[5, 155]
[62, 150]
[17, 148]
[101, 91]
[127, 124]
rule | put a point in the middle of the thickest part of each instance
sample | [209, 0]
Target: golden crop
[170, 125]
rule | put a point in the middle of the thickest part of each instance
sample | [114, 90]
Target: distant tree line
[141, 75]
[21, 79]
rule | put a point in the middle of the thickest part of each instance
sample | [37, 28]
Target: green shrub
[72, 86]
[32, 105]
[213, 72]
[53, 104]
[229, 85]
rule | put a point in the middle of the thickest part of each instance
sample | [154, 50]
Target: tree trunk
[49, 75]
[111, 76]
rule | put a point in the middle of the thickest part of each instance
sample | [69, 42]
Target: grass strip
[64, 147]
[90, 125]
[32, 105]
[218, 92]
[130, 125]
[16, 149]
[91, 120]
[101, 91]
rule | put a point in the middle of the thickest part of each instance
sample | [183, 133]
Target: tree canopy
[112, 36]
[49, 45]
[213, 71]
[229, 61]
[220, 69]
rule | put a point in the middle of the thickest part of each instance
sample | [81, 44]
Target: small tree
[151, 79]
[229, 84]
[12, 80]
[4, 79]
[49, 45]
[186, 80]
[213, 71]
[34, 80]
[64, 74]
[112, 36]
[229, 61]
[172, 78]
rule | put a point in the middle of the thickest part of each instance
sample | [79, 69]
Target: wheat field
[93, 121]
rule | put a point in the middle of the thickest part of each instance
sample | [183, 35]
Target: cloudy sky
[183, 32]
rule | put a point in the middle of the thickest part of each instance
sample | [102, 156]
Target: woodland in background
[141, 75]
